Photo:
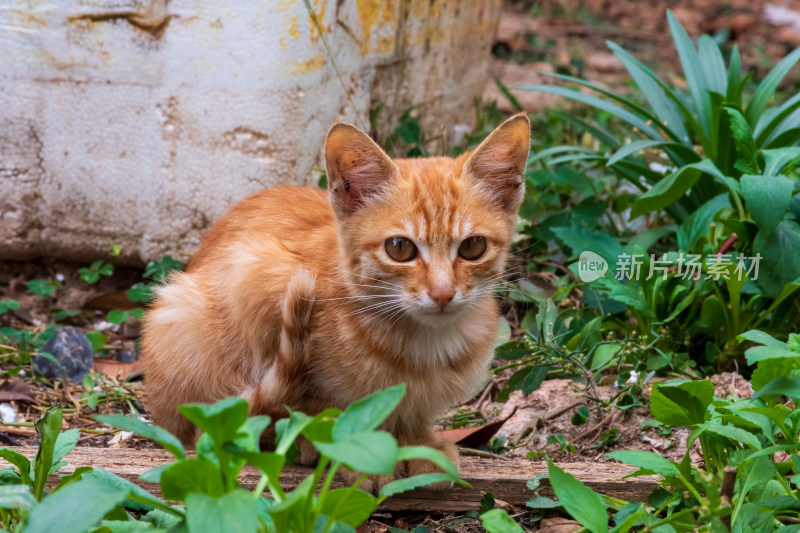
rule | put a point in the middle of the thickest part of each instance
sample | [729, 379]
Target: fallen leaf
[559, 525]
[474, 437]
[113, 368]
[16, 389]
[110, 301]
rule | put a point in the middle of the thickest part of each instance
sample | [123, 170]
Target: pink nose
[442, 296]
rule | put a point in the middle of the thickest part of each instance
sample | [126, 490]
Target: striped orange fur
[293, 298]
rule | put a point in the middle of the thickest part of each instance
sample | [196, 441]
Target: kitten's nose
[442, 296]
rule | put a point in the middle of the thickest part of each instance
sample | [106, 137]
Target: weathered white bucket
[139, 123]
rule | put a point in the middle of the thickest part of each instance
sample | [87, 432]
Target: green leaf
[140, 292]
[782, 386]
[406, 453]
[65, 443]
[117, 317]
[683, 404]
[581, 239]
[731, 432]
[98, 340]
[692, 70]
[764, 353]
[410, 483]
[348, 505]
[772, 122]
[762, 338]
[191, 475]
[47, 429]
[22, 463]
[585, 505]
[373, 452]
[163, 437]
[57, 512]
[528, 379]
[770, 369]
[766, 89]
[368, 413]
[511, 351]
[16, 497]
[599, 103]
[743, 139]
[222, 420]
[235, 512]
[6, 305]
[712, 64]
[498, 521]
[767, 198]
[646, 460]
[666, 192]
[780, 256]
[775, 161]
[696, 226]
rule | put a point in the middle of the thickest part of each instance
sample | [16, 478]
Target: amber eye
[400, 249]
[472, 248]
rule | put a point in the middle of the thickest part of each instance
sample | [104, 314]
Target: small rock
[7, 413]
[72, 349]
[127, 356]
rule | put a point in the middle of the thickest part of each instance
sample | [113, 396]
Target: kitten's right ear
[357, 168]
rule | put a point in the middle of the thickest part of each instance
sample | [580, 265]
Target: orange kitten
[314, 299]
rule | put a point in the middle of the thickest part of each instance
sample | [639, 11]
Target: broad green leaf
[222, 420]
[65, 443]
[581, 239]
[406, 453]
[766, 89]
[733, 433]
[585, 505]
[58, 511]
[604, 354]
[681, 404]
[22, 463]
[410, 483]
[191, 475]
[782, 386]
[763, 338]
[646, 460]
[268, 463]
[697, 225]
[498, 521]
[770, 369]
[528, 379]
[511, 351]
[288, 429]
[776, 160]
[762, 353]
[235, 512]
[767, 198]
[163, 437]
[666, 192]
[348, 505]
[372, 452]
[47, 429]
[368, 413]
[16, 497]
[780, 256]
[143, 499]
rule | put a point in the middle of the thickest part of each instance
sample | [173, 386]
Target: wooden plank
[506, 479]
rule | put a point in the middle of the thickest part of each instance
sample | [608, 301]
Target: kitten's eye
[400, 249]
[472, 248]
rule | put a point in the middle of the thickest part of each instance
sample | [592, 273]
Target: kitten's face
[426, 239]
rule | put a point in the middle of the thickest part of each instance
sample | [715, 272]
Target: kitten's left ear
[498, 164]
[357, 168]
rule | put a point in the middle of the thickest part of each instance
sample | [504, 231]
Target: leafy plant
[206, 486]
[94, 271]
[43, 288]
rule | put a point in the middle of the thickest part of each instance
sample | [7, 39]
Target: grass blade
[691, 69]
[776, 120]
[713, 65]
[766, 89]
[622, 114]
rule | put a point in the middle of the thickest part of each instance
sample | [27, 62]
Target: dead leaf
[110, 301]
[559, 525]
[16, 389]
[474, 437]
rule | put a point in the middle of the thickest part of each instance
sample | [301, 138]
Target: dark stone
[127, 356]
[72, 349]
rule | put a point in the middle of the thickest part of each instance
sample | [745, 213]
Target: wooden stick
[505, 479]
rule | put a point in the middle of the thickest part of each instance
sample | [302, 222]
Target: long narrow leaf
[770, 122]
[549, 152]
[713, 64]
[766, 89]
[692, 70]
[601, 134]
[599, 103]
[671, 120]
[734, 93]
[681, 152]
